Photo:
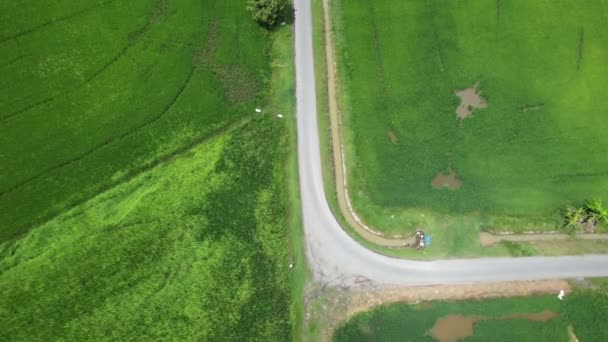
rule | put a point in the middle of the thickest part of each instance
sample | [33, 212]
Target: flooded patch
[456, 327]
[470, 99]
[393, 137]
[453, 328]
[447, 180]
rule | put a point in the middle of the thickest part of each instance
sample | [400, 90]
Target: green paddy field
[536, 318]
[141, 196]
[538, 141]
[94, 91]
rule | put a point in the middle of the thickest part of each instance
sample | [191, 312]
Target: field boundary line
[54, 21]
[344, 203]
[131, 43]
[131, 174]
[108, 141]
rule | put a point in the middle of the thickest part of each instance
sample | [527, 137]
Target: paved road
[336, 259]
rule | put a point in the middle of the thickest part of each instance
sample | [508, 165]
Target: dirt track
[487, 239]
[346, 208]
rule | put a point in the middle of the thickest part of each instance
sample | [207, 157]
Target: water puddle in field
[447, 180]
[453, 328]
[470, 99]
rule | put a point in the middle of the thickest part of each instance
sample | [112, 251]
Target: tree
[267, 12]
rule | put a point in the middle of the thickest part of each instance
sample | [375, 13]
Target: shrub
[267, 12]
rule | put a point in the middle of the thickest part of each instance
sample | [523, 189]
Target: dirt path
[487, 239]
[346, 208]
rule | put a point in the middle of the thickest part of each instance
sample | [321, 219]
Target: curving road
[336, 259]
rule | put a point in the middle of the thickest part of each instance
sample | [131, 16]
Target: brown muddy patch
[447, 180]
[470, 99]
[456, 327]
[453, 328]
[393, 137]
[539, 317]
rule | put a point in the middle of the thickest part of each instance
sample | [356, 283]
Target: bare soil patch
[393, 137]
[453, 328]
[470, 99]
[447, 180]
[456, 327]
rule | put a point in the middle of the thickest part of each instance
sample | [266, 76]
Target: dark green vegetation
[583, 310]
[268, 12]
[539, 145]
[140, 199]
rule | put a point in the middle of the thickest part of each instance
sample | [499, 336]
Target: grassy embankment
[125, 214]
[583, 311]
[519, 160]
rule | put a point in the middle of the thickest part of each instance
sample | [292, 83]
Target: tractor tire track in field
[55, 21]
[377, 46]
[131, 174]
[88, 80]
[26, 109]
[158, 11]
[108, 141]
[431, 18]
[154, 17]
[12, 61]
[498, 5]
[579, 52]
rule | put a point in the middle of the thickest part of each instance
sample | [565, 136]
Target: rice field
[141, 196]
[96, 91]
[487, 108]
[535, 318]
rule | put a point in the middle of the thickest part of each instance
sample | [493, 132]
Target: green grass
[586, 312]
[282, 101]
[95, 92]
[401, 322]
[399, 64]
[194, 249]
